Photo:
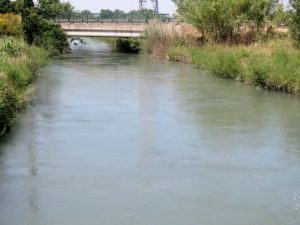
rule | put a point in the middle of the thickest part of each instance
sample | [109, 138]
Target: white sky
[165, 6]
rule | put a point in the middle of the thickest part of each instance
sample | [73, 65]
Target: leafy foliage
[295, 27]
[29, 21]
[5, 6]
[49, 9]
[38, 29]
[8, 105]
[10, 24]
[18, 62]
[52, 38]
[131, 45]
[11, 48]
[8, 6]
[221, 20]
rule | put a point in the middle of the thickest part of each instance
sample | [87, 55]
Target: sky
[165, 6]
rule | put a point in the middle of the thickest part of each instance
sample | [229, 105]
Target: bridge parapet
[124, 18]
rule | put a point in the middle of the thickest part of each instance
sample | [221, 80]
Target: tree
[295, 26]
[29, 21]
[5, 6]
[221, 20]
[49, 9]
[66, 7]
[106, 14]
[118, 14]
[38, 29]
[281, 15]
[260, 11]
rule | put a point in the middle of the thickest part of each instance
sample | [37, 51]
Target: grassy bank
[273, 64]
[18, 64]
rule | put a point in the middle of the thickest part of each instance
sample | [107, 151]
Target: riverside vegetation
[253, 52]
[18, 64]
[27, 39]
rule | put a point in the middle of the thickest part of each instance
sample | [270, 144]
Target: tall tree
[28, 22]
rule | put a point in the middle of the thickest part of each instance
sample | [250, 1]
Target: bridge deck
[103, 29]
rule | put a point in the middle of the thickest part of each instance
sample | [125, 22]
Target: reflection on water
[112, 138]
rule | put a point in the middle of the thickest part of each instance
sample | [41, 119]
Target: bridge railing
[98, 18]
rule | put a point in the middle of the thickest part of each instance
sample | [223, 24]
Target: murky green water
[117, 139]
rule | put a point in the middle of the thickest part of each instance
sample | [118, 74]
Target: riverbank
[272, 65]
[18, 65]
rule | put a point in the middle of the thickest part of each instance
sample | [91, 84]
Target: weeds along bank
[18, 60]
[18, 65]
[274, 64]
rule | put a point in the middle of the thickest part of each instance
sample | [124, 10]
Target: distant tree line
[119, 14]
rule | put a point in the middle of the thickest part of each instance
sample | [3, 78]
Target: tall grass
[274, 65]
[18, 64]
[160, 37]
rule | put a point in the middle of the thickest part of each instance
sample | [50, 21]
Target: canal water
[119, 139]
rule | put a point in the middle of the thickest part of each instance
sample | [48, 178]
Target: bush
[18, 63]
[259, 72]
[52, 38]
[11, 47]
[10, 24]
[8, 105]
[130, 45]
[226, 66]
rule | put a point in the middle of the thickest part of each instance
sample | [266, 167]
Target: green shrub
[226, 66]
[8, 105]
[130, 45]
[19, 74]
[259, 72]
[11, 47]
[18, 63]
[52, 38]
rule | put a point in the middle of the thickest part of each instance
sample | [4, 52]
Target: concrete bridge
[97, 29]
[94, 25]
